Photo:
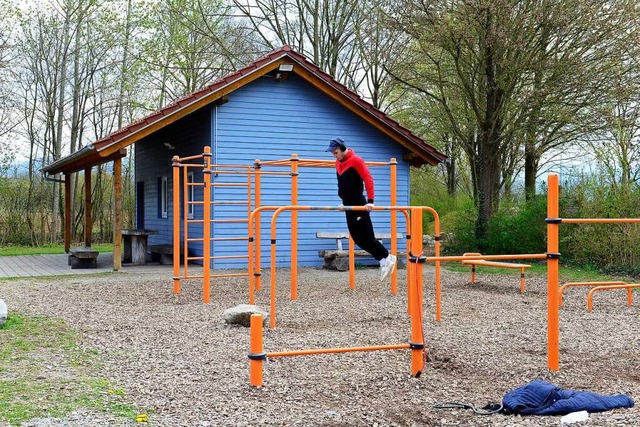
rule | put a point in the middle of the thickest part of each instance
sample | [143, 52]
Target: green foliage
[612, 248]
[49, 374]
[428, 189]
[517, 228]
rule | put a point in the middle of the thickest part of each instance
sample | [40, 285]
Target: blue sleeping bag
[542, 398]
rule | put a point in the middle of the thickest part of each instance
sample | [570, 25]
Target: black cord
[490, 409]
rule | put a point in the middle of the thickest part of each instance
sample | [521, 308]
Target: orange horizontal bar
[230, 275]
[228, 203]
[190, 221]
[192, 165]
[195, 184]
[337, 350]
[628, 287]
[220, 221]
[599, 220]
[230, 257]
[229, 165]
[224, 239]
[273, 173]
[486, 257]
[196, 239]
[572, 284]
[229, 184]
[224, 172]
[197, 156]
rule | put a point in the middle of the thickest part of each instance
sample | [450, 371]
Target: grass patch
[45, 372]
[567, 273]
[46, 249]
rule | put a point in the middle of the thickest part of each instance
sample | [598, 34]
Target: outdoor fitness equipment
[416, 345]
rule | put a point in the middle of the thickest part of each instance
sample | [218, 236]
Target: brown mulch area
[180, 362]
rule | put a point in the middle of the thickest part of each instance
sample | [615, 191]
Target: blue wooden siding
[267, 120]
[153, 161]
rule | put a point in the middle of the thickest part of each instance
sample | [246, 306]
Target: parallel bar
[486, 257]
[574, 284]
[599, 220]
[336, 350]
[628, 287]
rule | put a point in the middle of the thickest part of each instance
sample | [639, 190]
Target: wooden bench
[163, 254]
[83, 257]
[338, 259]
[497, 264]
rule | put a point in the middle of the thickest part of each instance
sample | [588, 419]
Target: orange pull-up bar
[417, 345]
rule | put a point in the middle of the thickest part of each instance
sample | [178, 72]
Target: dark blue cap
[336, 142]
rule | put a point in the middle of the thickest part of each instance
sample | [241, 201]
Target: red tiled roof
[353, 101]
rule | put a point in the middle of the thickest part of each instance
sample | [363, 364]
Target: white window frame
[164, 194]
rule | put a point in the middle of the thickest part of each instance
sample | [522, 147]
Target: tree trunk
[530, 171]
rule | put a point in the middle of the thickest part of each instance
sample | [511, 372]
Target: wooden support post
[88, 223]
[67, 212]
[117, 206]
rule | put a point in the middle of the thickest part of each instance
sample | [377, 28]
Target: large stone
[241, 314]
[3, 312]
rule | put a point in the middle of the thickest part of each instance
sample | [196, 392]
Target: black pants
[361, 230]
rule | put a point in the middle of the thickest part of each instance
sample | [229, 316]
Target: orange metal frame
[554, 294]
[474, 263]
[181, 185]
[255, 171]
[580, 284]
[417, 344]
[628, 287]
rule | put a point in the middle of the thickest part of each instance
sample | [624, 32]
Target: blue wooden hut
[279, 105]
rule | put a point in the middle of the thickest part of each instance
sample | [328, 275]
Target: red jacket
[353, 178]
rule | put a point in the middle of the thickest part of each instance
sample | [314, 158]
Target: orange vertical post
[256, 233]
[185, 220]
[256, 355]
[415, 288]
[176, 224]
[436, 230]
[553, 261]
[294, 227]
[206, 227]
[352, 263]
[393, 163]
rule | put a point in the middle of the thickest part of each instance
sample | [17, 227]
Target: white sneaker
[388, 267]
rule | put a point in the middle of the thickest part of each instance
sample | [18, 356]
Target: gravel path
[177, 358]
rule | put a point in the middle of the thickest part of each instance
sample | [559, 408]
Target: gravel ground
[178, 359]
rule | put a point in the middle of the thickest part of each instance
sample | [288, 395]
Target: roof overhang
[82, 159]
